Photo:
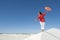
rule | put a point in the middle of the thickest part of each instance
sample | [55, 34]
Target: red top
[41, 17]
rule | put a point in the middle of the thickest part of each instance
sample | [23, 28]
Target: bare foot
[42, 30]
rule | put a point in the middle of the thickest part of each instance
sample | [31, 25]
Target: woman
[41, 20]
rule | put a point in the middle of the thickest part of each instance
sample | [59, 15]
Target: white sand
[51, 34]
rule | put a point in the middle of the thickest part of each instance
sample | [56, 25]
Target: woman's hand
[35, 20]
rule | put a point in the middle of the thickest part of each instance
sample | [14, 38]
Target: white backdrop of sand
[51, 34]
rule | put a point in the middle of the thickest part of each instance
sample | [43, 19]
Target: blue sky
[17, 16]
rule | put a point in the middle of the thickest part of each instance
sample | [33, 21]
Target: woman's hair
[40, 13]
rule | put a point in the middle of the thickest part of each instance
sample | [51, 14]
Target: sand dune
[51, 34]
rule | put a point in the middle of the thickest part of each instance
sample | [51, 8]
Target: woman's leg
[42, 26]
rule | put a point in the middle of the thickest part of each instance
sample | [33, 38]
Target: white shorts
[42, 25]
